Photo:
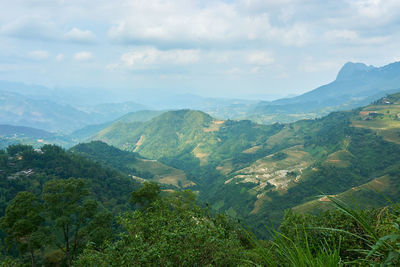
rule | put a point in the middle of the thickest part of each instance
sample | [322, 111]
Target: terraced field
[275, 172]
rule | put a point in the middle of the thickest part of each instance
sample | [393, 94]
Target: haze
[243, 49]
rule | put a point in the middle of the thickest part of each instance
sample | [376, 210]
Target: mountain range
[246, 169]
[257, 171]
[355, 85]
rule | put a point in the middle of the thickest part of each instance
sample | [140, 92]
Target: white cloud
[60, 57]
[148, 57]
[353, 38]
[80, 36]
[212, 23]
[260, 58]
[83, 56]
[38, 54]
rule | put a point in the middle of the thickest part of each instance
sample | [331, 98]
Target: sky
[242, 48]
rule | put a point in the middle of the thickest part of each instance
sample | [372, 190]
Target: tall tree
[23, 224]
[67, 205]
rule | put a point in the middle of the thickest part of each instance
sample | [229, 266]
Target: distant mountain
[111, 111]
[140, 116]
[20, 110]
[356, 85]
[10, 134]
[22, 131]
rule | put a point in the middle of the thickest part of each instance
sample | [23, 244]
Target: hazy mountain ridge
[356, 85]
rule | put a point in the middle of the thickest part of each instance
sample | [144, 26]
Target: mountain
[111, 111]
[140, 116]
[186, 133]
[356, 85]
[22, 131]
[33, 111]
[19, 110]
[133, 164]
[10, 134]
[347, 154]
[255, 171]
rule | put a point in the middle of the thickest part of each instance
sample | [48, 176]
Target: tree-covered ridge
[176, 133]
[23, 168]
[133, 164]
[342, 152]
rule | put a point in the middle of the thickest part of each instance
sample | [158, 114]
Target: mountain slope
[16, 109]
[186, 133]
[356, 85]
[257, 171]
[11, 130]
[342, 153]
[22, 168]
[132, 164]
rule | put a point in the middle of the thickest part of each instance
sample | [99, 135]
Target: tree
[146, 195]
[171, 231]
[67, 205]
[23, 224]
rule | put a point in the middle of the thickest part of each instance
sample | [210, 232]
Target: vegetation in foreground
[65, 227]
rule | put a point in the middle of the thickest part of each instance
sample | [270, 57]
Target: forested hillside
[255, 172]
[329, 167]
[133, 164]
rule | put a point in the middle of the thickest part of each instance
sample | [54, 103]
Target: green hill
[133, 164]
[24, 169]
[256, 171]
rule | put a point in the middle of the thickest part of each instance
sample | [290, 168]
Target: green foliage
[172, 231]
[146, 195]
[25, 169]
[67, 206]
[23, 224]
[279, 156]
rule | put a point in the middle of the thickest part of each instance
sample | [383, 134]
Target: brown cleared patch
[202, 156]
[326, 198]
[261, 198]
[173, 180]
[251, 150]
[139, 143]
[226, 167]
[214, 126]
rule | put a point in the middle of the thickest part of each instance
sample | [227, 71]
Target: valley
[199, 133]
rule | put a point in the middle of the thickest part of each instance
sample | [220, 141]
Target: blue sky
[243, 48]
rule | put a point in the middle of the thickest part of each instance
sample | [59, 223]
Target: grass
[163, 173]
[363, 195]
[380, 240]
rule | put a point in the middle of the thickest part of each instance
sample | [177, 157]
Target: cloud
[186, 23]
[80, 36]
[353, 38]
[260, 58]
[60, 57]
[38, 54]
[30, 28]
[83, 56]
[149, 57]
